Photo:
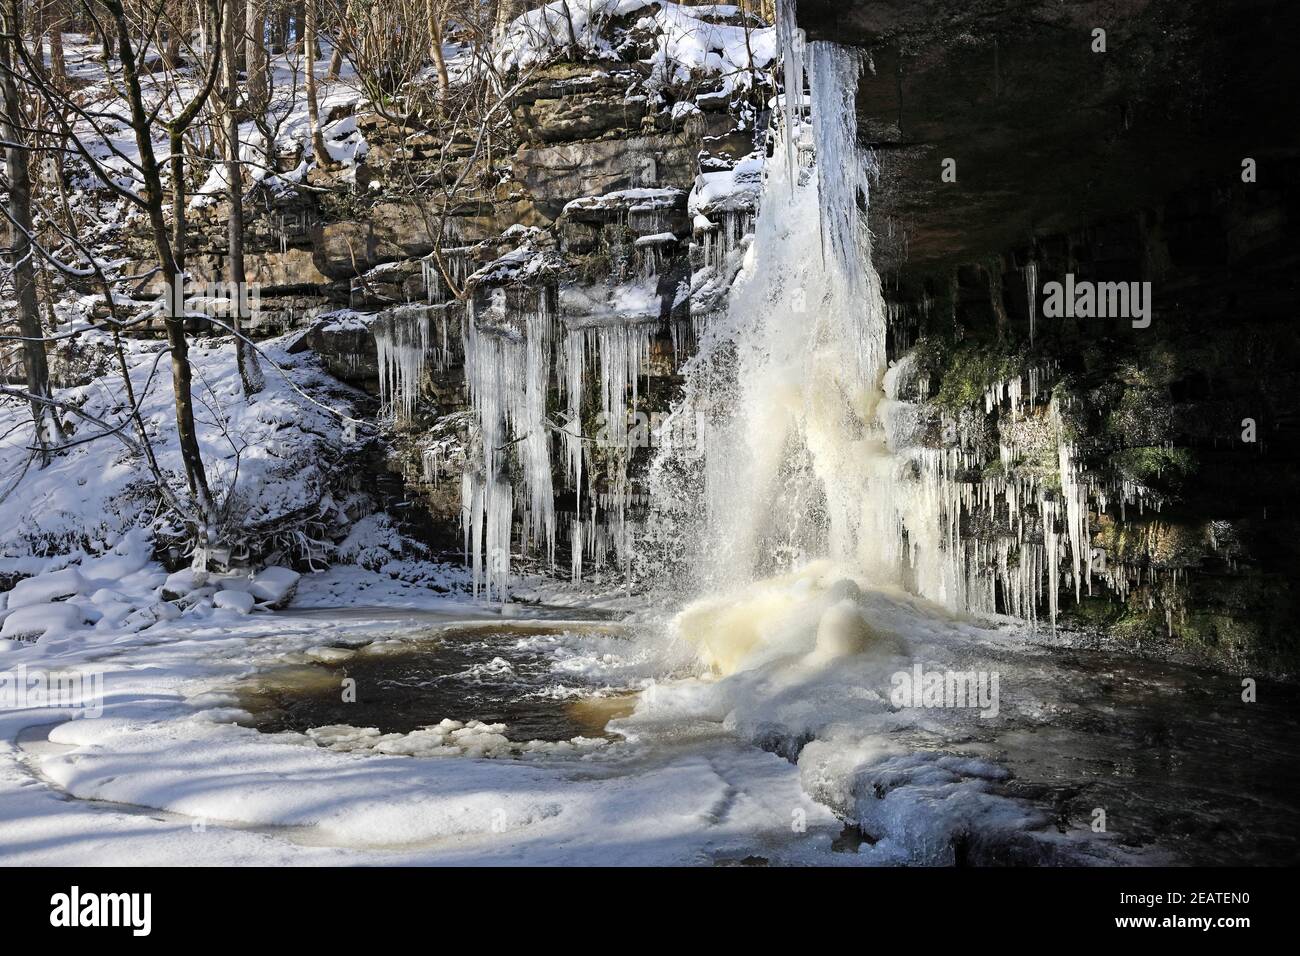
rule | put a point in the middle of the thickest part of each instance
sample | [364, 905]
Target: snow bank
[276, 451]
[688, 41]
[40, 620]
[44, 588]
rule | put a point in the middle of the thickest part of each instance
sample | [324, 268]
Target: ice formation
[402, 340]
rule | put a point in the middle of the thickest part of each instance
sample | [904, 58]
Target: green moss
[969, 374]
[965, 372]
[1148, 463]
[1093, 611]
[1137, 626]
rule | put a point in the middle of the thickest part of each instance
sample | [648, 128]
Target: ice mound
[815, 612]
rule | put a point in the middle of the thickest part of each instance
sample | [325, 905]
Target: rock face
[546, 278]
[554, 175]
[1047, 134]
[1117, 166]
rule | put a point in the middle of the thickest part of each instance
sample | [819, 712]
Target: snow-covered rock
[275, 586]
[240, 601]
[38, 620]
[43, 588]
[179, 584]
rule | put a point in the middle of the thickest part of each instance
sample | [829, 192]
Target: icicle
[575, 547]
[792, 43]
[1031, 291]
[401, 342]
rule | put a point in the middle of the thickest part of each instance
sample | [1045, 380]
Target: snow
[275, 586]
[640, 199]
[180, 583]
[165, 760]
[728, 190]
[41, 620]
[688, 43]
[44, 588]
[290, 120]
[238, 601]
[269, 453]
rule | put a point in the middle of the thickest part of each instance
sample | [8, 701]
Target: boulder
[240, 601]
[275, 586]
[44, 588]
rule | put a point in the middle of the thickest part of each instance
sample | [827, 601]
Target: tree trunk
[44, 418]
[58, 66]
[336, 58]
[250, 374]
[178, 345]
[323, 158]
[281, 32]
[434, 17]
[258, 89]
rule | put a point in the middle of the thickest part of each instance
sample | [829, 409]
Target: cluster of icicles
[513, 356]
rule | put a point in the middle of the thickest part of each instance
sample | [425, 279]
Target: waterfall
[814, 449]
[808, 448]
[789, 380]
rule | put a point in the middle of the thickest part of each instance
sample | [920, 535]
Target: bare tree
[122, 40]
[250, 375]
[309, 52]
[44, 416]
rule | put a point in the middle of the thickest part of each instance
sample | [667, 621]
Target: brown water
[1178, 762]
[498, 672]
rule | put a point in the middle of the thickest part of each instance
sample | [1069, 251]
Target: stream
[1183, 770]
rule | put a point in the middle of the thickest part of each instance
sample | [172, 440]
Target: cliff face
[1117, 166]
[519, 294]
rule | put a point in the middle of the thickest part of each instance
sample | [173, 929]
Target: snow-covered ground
[165, 775]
